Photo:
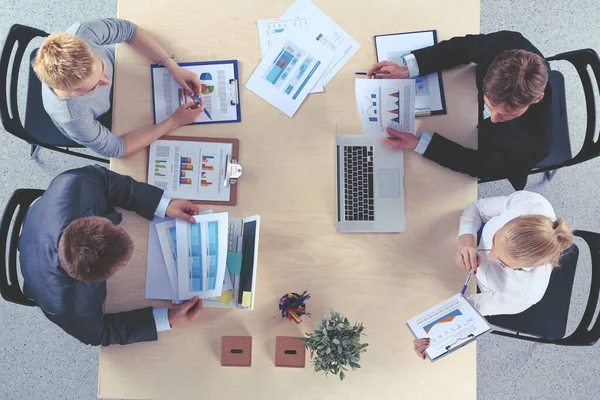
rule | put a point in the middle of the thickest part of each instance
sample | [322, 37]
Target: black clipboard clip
[235, 97]
[467, 337]
[232, 172]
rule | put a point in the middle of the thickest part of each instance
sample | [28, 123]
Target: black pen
[376, 74]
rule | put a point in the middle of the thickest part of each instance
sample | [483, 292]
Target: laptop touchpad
[389, 183]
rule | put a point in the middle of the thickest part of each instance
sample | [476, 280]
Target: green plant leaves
[335, 345]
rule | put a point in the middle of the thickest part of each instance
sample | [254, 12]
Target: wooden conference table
[289, 179]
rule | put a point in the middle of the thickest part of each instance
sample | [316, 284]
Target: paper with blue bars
[201, 255]
[289, 71]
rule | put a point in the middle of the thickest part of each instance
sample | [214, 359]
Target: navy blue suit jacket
[73, 305]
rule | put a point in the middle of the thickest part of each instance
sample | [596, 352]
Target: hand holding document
[385, 103]
[449, 326]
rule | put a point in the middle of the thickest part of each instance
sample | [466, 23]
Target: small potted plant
[336, 344]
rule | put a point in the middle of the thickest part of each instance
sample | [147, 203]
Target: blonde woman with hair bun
[521, 242]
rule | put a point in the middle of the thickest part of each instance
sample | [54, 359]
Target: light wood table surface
[381, 280]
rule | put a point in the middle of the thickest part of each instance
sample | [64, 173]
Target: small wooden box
[236, 351]
[289, 352]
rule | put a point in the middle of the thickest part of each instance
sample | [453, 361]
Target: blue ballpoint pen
[198, 102]
[464, 289]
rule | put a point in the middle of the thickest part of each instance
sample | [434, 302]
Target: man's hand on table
[183, 209]
[185, 312]
[385, 67]
[401, 140]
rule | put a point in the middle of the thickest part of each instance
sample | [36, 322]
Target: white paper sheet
[326, 32]
[157, 279]
[385, 103]
[289, 71]
[393, 47]
[202, 255]
[217, 92]
[167, 239]
[189, 170]
[449, 325]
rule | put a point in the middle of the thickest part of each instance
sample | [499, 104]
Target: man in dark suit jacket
[514, 105]
[70, 245]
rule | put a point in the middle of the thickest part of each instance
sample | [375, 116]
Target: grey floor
[38, 361]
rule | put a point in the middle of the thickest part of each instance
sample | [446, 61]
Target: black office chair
[561, 155]
[39, 130]
[9, 280]
[546, 321]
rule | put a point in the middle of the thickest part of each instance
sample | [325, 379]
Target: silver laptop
[370, 185]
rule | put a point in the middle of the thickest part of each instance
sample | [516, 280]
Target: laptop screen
[248, 249]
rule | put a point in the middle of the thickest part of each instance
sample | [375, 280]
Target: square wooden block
[236, 351]
[289, 352]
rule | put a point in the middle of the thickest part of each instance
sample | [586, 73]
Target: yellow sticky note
[225, 297]
[247, 299]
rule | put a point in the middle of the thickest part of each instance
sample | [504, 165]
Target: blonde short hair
[536, 239]
[63, 61]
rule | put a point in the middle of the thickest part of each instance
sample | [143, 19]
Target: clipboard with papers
[429, 89]
[219, 91]
[202, 170]
[449, 325]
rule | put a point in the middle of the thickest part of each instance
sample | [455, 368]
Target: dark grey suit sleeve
[124, 191]
[468, 49]
[105, 329]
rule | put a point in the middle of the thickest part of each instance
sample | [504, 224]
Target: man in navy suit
[70, 245]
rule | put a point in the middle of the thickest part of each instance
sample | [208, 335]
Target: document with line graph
[449, 325]
[385, 103]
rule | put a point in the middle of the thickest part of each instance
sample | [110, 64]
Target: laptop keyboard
[358, 176]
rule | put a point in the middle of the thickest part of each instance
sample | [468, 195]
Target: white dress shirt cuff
[468, 229]
[424, 141]
[161, 210]
[161, 319]
[413, 66]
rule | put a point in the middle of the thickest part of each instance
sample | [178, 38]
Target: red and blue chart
[444, 319]
[207, 166]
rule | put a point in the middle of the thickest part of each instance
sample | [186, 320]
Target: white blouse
[504, 290]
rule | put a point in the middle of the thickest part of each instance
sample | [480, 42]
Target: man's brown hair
[92, 249]
[515, 78]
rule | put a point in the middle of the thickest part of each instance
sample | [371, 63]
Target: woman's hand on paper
[467, 257]
[420, 346]
[185, 312]
[183, 209]
[187, 113]
[401, 140]
[385, 67]
[187, 79]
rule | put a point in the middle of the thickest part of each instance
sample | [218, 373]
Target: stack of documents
[302, 51]
[209, 258]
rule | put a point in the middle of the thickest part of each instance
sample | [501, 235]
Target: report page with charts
[449, 325]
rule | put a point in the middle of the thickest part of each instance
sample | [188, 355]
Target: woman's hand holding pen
[467, 257]
[187, 79]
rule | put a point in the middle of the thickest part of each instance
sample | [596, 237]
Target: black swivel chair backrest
[9, 241]
[39, 130]
[546, 321]
[561, 149]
